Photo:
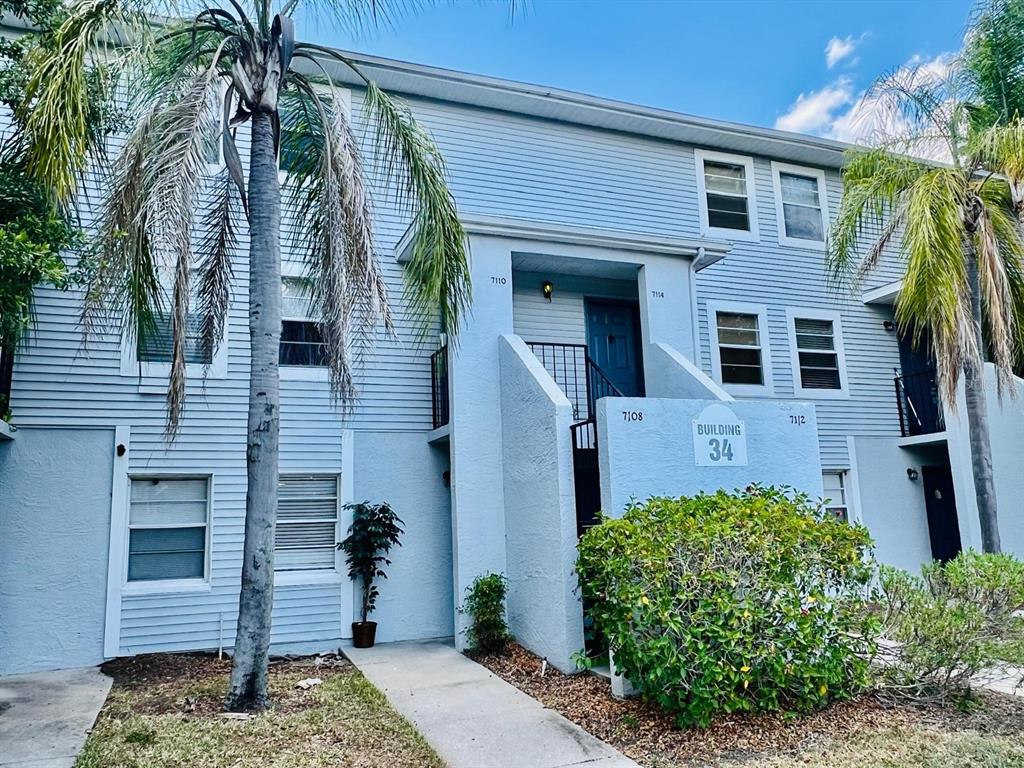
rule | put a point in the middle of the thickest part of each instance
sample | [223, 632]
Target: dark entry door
[940, 501]
[613, 340]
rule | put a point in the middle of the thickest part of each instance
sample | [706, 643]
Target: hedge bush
[948, 624]
[746, 601]
[485, 604]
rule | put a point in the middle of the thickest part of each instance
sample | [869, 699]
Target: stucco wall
[1006, 422]
[402, 469]
[647, 448]
[540, 511]
[670, 374]
[890, 504]
[54, 534]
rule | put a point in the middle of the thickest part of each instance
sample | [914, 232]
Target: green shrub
[948, 624]
[485, 605]
[732, 602]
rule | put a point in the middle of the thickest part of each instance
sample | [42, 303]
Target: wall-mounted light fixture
[889, 325]
[912, 474]
[547, 289]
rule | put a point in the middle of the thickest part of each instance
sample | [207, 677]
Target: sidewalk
[45, 716]
[474, 719]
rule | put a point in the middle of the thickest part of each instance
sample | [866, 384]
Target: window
[301, 342]
[817, 348]
[739, 348]
[725, 187]
[739, 336]
[801, 205]
[834, 484]
[158, 347]
[307, 521]
[167, 528]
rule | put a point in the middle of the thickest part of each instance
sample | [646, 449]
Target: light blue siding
[501, 164]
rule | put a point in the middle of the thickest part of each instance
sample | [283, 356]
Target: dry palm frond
[213, 262]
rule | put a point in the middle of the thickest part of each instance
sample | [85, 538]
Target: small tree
[485, 604]
[374, 530]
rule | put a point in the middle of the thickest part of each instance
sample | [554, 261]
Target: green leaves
[374, 531]
[485, 604]
[732, 602]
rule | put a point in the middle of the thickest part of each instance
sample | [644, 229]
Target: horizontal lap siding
[500, 165]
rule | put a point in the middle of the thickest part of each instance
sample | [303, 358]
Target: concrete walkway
[45, 716]
[471, 717]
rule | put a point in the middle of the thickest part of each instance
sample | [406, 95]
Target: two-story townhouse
[618, 251]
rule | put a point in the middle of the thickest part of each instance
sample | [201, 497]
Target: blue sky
[763, 63]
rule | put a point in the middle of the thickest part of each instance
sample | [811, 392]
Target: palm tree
[187, 84]
[954, 219]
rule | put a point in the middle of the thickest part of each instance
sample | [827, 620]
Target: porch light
[889, 325]
[912, 474]
[547, 289]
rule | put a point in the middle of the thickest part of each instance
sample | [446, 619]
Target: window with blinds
[834, 484]
[167, 528]
[307, 523]
[725, 186]
[157, 345]
[801, 207]
[739, 348]
[817, 354]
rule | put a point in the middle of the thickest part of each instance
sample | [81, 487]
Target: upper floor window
[726, 195]
[301, 342]
[306, 535]
[740, 333]
[801, 205]
[167, 528]
[816, 340]
[158, 344]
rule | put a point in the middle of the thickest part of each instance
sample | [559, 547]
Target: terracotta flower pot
[363, 633]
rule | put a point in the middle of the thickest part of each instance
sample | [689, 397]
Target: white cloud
[815, 112]
[839, 48]
[838, 111]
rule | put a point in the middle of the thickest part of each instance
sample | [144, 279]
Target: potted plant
[374, 531]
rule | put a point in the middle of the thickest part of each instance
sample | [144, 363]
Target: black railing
[919, 404]
[579, 377]
[586, 475]
[6, 375]
[439, 386]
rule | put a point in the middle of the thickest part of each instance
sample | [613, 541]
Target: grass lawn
[857, 734]
[164, 711]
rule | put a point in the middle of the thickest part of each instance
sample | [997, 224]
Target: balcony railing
[920, 407]
[6, 374]
[579, 377]
[439, 387]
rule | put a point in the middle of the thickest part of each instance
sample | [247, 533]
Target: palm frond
[325, 186]
[213, 260]
[437, 272]
[58, 136]
[994, 61]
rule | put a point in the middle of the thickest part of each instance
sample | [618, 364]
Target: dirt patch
[649, 736]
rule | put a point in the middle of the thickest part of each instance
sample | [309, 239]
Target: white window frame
[761, 311]
[318, 575]
[167, 586]
[750, 235]
[844, 484]
[299, 372]
[780, 214]
[792, 314]
[132, 366]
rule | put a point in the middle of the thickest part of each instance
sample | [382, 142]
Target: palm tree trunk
[977, 419]
[248, 688]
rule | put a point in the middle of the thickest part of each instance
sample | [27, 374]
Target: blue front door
[613, 341]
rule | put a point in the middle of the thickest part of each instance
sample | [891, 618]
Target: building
[617, 252]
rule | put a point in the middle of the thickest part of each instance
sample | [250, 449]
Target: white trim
[761, 311]
[168, 586]
[799, 170]
[853, 494]
[883, 294]
[346, 608]
[751, 235]
[792, 314]
[117, 552]
[844, 488]
[564, 234]
[130, 365]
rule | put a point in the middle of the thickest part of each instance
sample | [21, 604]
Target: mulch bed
[195, 683]
[646, 734]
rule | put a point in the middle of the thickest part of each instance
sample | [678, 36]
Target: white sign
[719, 438]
